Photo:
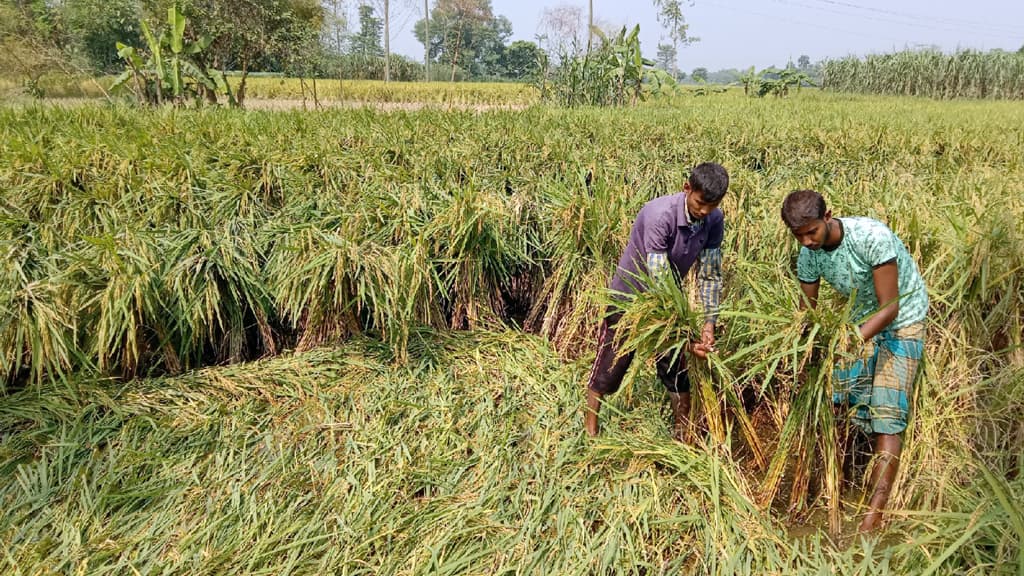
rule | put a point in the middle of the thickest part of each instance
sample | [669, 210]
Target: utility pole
[426, 45]
[590, 26]
[337, 27]
[387, 42]
[337, 43]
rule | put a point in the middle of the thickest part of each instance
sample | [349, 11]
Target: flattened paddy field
[355, 341]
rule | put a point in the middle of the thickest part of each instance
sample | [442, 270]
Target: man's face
[697, 208]
[813, 234]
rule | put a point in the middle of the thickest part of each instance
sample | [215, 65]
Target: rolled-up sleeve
[709, 277]
[657, 265]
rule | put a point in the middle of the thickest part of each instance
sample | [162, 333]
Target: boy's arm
[886, 278]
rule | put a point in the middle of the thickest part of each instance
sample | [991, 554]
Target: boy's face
[813, 234]
[696, 207]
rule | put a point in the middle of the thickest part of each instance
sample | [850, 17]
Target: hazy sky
[742, 33]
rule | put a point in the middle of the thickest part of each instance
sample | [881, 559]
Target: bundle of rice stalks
[660, 321]
[811, 443]
[38, 324]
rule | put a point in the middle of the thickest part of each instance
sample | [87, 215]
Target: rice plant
[228, 343]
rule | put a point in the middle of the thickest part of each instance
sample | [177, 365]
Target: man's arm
[657, 266]
[810, 298]
[710, 281]
[886, 278]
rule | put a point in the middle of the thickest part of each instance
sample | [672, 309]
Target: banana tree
[168, 65]
[614, 74]
[629, 68]
[751, 81]
[777, 82]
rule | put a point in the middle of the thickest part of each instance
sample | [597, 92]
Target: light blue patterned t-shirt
[867, 243]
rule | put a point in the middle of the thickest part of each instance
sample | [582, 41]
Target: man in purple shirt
[669, 235]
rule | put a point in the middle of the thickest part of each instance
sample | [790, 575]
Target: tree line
[463, 39]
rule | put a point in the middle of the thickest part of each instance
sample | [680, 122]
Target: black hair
[711, 180]
[801, 207]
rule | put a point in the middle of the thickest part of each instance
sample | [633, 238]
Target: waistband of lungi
[907, 341]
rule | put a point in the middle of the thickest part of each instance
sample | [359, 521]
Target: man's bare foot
[871, 522]
[680, 402]
[681, 435]
[592, 410]
[883, 476]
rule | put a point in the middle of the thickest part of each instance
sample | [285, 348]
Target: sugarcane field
[564, 309]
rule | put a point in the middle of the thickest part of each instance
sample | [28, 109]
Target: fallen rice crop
[355, 341]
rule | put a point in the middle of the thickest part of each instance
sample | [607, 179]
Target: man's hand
[707, 336]
[700, 350]
[851, 343]
[707, 341]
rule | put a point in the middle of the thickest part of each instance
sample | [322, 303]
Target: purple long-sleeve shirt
[663, 226]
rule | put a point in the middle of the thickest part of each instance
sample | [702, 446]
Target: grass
[227, 340]
[468, 459]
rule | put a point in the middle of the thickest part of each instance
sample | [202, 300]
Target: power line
[959, 22]
[815, 25]
[914, 22]
[818, 25]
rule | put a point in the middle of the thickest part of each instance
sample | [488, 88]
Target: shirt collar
[685, 219]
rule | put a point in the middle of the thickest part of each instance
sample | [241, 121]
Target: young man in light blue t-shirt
[863, 259]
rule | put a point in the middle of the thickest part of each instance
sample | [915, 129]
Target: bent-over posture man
[668, 236]
[863, 259]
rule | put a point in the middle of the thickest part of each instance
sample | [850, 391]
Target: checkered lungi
[877, 386]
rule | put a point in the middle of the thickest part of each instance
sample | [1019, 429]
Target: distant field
[374, 91]
[355, 341]
[357, 91]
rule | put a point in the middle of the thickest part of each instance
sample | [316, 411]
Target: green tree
[751, 81]
[488, 51]
[29, 43]
[390, 12]
[34, 43]
[36, 18]
[366, 42]
[465, 34]
[613, 74]
[670, 14]
[523, 60]
[95, 27]
[335, 28]
[426, 34]
[699, 74]
[387, 40]
[666, 57]
[167, 73]
[245, 35]
[803, 62]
